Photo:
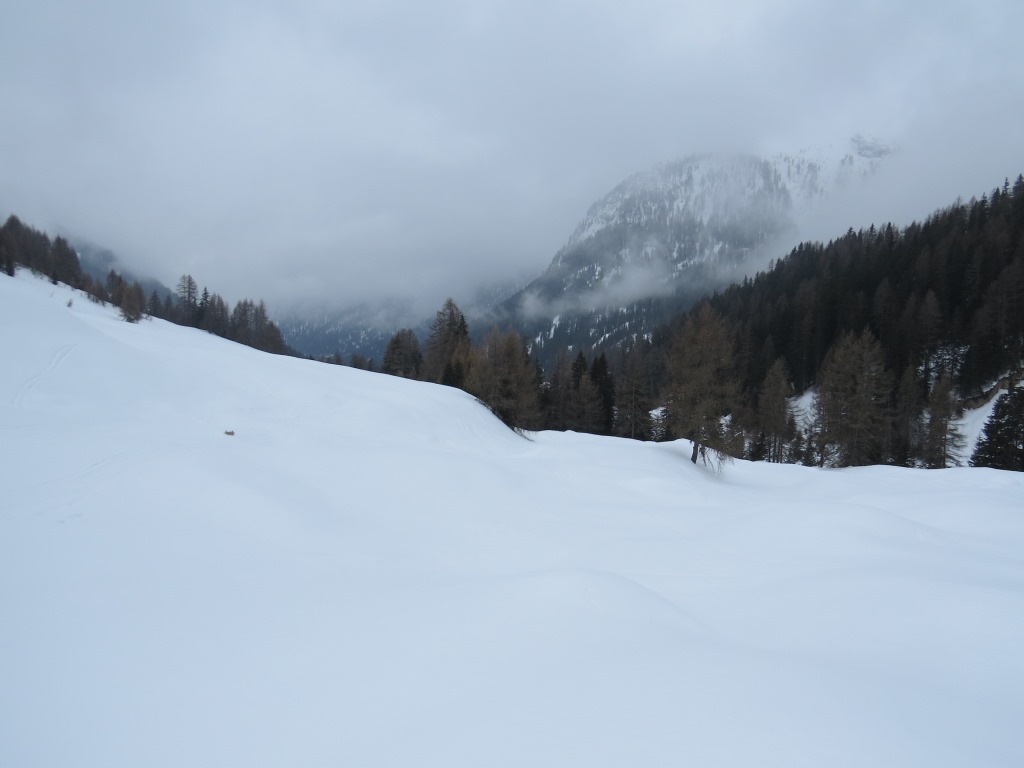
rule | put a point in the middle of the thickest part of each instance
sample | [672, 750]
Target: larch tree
[702, 386]
[133, 302]
[852, 403]
[503, 376]
[188, 299]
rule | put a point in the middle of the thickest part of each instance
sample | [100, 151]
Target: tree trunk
[696, 448]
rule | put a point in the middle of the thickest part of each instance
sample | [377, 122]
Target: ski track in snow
[55, 362]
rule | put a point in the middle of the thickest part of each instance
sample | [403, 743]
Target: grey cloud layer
[342, 151]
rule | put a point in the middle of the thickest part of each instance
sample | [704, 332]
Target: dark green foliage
[555, 393]
[584, 409]
[402, 356]
[250, 325]
[604, 382]
[572, 400]
[201, 309]
[1002, 441]
[8, 262]
[579, 370]
[945, 295]
[64, 265]
[948, 292]
[33, 249]
[633, 400]
[907, 428]
[215, 317]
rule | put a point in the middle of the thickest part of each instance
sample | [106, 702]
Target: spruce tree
[907, 418]
[605, 384]
[446, 353]
[633, 409]
[774, 416]
[1001, 445]
[7, 260]
[402, 356]
[64, 264]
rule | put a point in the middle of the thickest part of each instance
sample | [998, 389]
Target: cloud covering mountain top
[341, 152]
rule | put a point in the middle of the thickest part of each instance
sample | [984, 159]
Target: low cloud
[337, 153]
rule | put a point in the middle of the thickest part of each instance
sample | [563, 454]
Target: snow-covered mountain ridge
[664, 237]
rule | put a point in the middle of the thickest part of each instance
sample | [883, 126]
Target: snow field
[376, 572]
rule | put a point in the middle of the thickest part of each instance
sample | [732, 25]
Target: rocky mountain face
[663, 238]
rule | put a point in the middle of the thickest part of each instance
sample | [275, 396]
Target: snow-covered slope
[375, 572]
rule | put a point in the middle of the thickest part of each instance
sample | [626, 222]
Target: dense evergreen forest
[896, 330]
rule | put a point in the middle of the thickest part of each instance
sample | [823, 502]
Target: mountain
[362, 330]
[99, 262]
[657, 242]
[665, 237]
[365, 329]
[375, 572]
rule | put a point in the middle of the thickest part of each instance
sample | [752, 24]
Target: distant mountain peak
[665, 236]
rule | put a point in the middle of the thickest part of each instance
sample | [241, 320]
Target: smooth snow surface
[375, 572]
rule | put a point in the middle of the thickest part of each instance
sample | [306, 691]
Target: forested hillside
[946, 295]
[248, 323]
[896, 329]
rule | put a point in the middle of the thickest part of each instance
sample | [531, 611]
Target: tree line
[247, 323]
[894, 329]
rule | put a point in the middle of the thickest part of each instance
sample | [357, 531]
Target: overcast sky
[338, 151]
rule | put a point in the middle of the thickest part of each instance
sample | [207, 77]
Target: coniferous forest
[895, 330]
[248, 323]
